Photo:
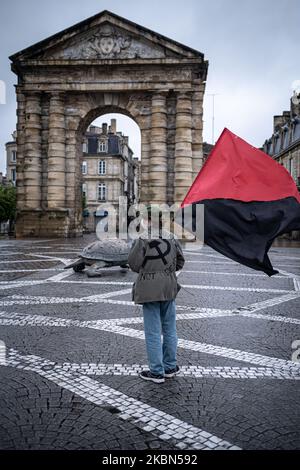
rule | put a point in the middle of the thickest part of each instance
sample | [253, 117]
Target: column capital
[19, 89]
[162, 93]
[184, 94]
[56, 95]
[159, 105]
[33, 94]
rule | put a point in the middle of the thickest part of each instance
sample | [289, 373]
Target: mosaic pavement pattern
[71, 348]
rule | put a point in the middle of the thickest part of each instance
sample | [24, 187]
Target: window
[13, 155]
[84, 168]
[102, 146]
[84, 189]
[84, 147]
[101, 167]
[92, 145]
[101, 192]
[13, 175]
[291, 166]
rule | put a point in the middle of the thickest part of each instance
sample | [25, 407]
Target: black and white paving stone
[72, 348]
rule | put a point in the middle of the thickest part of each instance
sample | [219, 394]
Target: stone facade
[109, 170]
[284, 144]
[207, 148]
[11, 159]
[104, 64]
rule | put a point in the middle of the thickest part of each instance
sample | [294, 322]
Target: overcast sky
[252, 47]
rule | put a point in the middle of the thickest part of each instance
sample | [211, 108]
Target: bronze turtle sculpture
[101, 254]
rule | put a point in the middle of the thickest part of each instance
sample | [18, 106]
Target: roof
[285, 138]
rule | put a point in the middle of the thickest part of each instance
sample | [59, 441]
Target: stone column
[157, 180]
[21, 122]
[197, 127]
[32, 152]
[44, 144]
[72, 165]
[171, 113]
[56, 153]
[145, 162]
[183, 146]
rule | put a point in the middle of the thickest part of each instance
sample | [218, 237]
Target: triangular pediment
[105, 41]
[106, 36]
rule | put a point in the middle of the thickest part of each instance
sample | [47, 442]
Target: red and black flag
[249, 199]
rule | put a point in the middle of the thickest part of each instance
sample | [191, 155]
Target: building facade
[109, 170]
[3, 180]
[11, 159]
[104, 64]
[207, 148]
[284, 144]
[7, 227]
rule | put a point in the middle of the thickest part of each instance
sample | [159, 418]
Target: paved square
[74, 345]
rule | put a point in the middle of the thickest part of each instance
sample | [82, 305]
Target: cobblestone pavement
[74, 346]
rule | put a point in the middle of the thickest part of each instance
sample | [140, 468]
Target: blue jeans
[160, 317]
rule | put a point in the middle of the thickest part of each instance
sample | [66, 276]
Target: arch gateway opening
[105, 64]
[109, 149]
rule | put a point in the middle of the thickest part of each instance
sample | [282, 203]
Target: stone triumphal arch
[104, 64]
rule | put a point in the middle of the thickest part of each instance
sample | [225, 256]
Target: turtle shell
[110, 250]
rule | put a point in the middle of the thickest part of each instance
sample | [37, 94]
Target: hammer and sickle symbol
[160, 255]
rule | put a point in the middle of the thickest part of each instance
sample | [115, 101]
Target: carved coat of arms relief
[108, 43]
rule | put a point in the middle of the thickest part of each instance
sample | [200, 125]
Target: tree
[8, 203]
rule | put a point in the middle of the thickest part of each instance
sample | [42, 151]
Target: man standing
[157, 260]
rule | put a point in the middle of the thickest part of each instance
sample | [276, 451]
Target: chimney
[104, 128]
[286, 116]
[113, 125]
[278, 122]
[295, 104]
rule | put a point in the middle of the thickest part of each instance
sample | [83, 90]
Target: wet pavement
[74, 346]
